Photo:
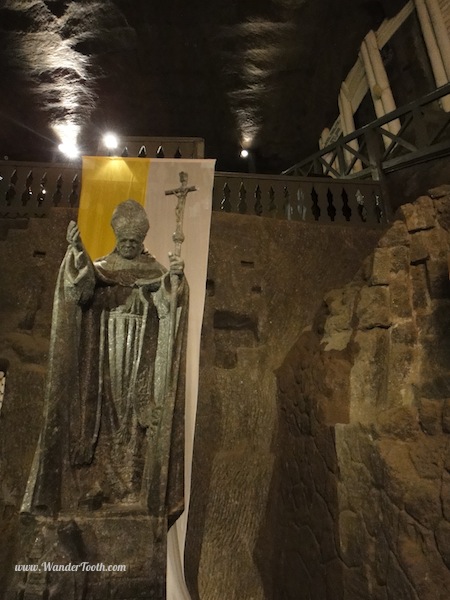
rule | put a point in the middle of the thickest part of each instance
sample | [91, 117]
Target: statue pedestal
[102, 555]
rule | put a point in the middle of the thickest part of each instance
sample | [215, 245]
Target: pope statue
[113, 437]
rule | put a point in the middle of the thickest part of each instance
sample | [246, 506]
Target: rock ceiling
[261, 73]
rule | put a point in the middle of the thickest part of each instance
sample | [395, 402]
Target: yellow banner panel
[105, 182]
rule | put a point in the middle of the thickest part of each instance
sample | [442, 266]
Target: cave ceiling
[258, 73]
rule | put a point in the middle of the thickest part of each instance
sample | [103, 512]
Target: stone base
[105, 556]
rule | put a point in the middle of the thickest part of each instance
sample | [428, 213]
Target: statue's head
[130, 224]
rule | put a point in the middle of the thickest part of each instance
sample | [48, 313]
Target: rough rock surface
[266, 279]
[363, 448]
[29, 259]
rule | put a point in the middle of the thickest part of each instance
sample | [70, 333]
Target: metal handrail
[374, 160]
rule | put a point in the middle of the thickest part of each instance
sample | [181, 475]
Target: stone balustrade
[31, 189]
[311, 199]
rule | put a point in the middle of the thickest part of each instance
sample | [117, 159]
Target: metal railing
[32, 189]
[415, 133]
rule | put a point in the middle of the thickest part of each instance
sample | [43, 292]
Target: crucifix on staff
[181, 193]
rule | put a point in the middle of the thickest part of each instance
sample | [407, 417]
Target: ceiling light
[110, 140]
[70, 150]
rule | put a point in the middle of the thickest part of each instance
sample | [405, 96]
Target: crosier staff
[160, 463]
[178, 238]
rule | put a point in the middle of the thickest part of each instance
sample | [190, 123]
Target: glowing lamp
[69, 149]
[110, 141]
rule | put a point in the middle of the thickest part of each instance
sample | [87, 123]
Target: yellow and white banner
[107, 181]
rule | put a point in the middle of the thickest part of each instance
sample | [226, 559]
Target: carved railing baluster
[331, 209]
[272, 204]
[242, 205]
[27, 192]
[361, 206]
[287, 207]
[142, 152]
[73, 197]
[315, 208]
[301, 208]
[225, 204]
[57, 196]
[258, 203]
[178, 153]
[11, 191]
[346, 210]
[42, 190]
[160, 152]
[124, 152]
[379, 214]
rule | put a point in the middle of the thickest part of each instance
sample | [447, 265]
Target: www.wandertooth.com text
[70, 567]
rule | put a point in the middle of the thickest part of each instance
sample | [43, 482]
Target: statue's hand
[176, 265]
[73, 236]
[141, 282]
[148, 285]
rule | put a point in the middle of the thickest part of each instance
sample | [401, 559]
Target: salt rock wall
[30, 254]
[266, 280]
[362, 499]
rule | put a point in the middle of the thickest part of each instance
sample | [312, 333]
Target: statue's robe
[113, 434]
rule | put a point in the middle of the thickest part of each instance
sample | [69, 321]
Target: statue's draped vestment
[113, 430]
